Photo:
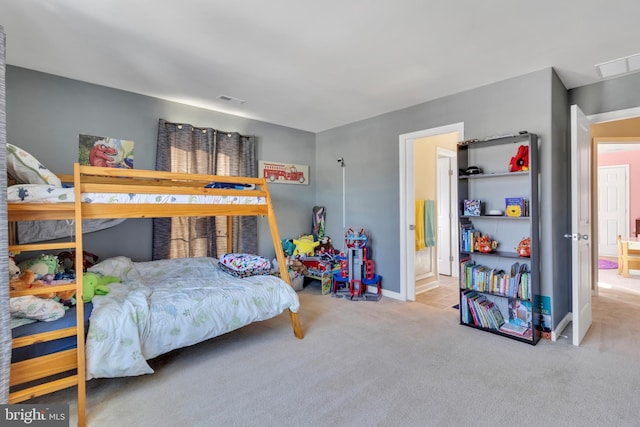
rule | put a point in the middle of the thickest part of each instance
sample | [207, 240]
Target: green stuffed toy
[94, 284]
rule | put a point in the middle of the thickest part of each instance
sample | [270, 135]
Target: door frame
[452, 207]
[407, 203]
[609, 116]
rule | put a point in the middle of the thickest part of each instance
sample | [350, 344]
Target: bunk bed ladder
[52, 372]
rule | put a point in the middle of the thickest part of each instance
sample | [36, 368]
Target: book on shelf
[480, 311]
[472, 207]
[520, 331]
[516, 206]
[520, 313]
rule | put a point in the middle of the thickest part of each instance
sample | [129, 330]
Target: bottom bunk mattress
[164, 305]
[48, 347]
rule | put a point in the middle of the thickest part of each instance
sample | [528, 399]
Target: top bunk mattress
[40, 193]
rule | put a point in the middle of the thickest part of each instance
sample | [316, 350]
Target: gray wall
[46, 113]
[609, 95]
[560, 208]
[371, 149]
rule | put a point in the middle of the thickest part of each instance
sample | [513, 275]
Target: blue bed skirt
[40, 349]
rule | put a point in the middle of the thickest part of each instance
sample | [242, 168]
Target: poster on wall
[105, 152]
[283, 173]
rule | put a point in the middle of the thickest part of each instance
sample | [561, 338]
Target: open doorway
[418, 168]
[618, 207]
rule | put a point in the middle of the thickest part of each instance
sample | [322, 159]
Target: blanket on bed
[164, 305]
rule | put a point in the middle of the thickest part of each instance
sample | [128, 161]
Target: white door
[444, 199]
[613, 218]
[580, 223]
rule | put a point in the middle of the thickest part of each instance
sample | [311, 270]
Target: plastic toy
[485, 245]
[520, 162]
[357, 272]
[524, 247]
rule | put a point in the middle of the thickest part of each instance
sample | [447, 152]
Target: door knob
[576, 236]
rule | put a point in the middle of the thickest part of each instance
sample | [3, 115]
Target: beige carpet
[385, 363]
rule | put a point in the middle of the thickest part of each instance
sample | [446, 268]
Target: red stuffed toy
[520, 162]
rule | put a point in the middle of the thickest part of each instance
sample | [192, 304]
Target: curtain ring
[179, 126]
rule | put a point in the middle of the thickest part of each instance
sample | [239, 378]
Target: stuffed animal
[14, 270]
[325, 246]
[67, 260]
[40, 266]
[298, 267]
[94, 284]
[288, 247]
[304, 245]
[524, 247]
[520, 162]
[27, 281]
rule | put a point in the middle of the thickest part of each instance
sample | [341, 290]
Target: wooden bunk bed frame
[89, 179]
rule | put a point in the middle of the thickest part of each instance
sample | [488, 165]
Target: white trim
[610, 116]
[453, 207]
[407, 287]
[557, 332]
[427, 287]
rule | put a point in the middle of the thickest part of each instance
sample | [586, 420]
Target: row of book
[513, 284]
[468, 238]
[478, 310]
[481, 312]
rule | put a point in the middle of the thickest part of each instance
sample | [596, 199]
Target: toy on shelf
[357, 271]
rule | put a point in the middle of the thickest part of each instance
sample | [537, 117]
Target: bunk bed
[100, 193]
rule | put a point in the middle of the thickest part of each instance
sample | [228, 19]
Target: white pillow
[32, 307]
[26, 169]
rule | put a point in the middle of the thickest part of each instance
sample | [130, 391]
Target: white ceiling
[315, 64]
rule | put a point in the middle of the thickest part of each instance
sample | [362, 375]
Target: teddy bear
[325, 247]
[305, 245]
[27, 281]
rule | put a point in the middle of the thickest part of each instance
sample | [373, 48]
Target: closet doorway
[418, 181]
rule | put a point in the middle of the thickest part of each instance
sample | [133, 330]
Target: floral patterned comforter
[164, 305]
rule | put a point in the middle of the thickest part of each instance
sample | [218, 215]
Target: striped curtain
[5, 335]
[188, 149]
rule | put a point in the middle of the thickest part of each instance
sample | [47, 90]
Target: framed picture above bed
[283, 173]
[104, 151]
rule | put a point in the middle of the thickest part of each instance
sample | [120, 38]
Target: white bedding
[38, 193]
[164, 305]
[36, 231]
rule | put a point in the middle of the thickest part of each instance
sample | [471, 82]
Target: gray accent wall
[608, 95]
[371, 152]
[46, 113]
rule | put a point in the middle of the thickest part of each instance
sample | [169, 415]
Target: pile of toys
[357, 270]
[349, 274]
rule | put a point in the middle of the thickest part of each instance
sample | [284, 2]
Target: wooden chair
[627, 258]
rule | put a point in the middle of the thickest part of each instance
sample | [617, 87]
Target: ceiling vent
[620, 66]
[228, 98]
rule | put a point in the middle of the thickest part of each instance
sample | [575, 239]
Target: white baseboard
[427, 287]
[557, 332]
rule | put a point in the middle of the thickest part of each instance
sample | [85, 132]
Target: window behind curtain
[188, 149]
